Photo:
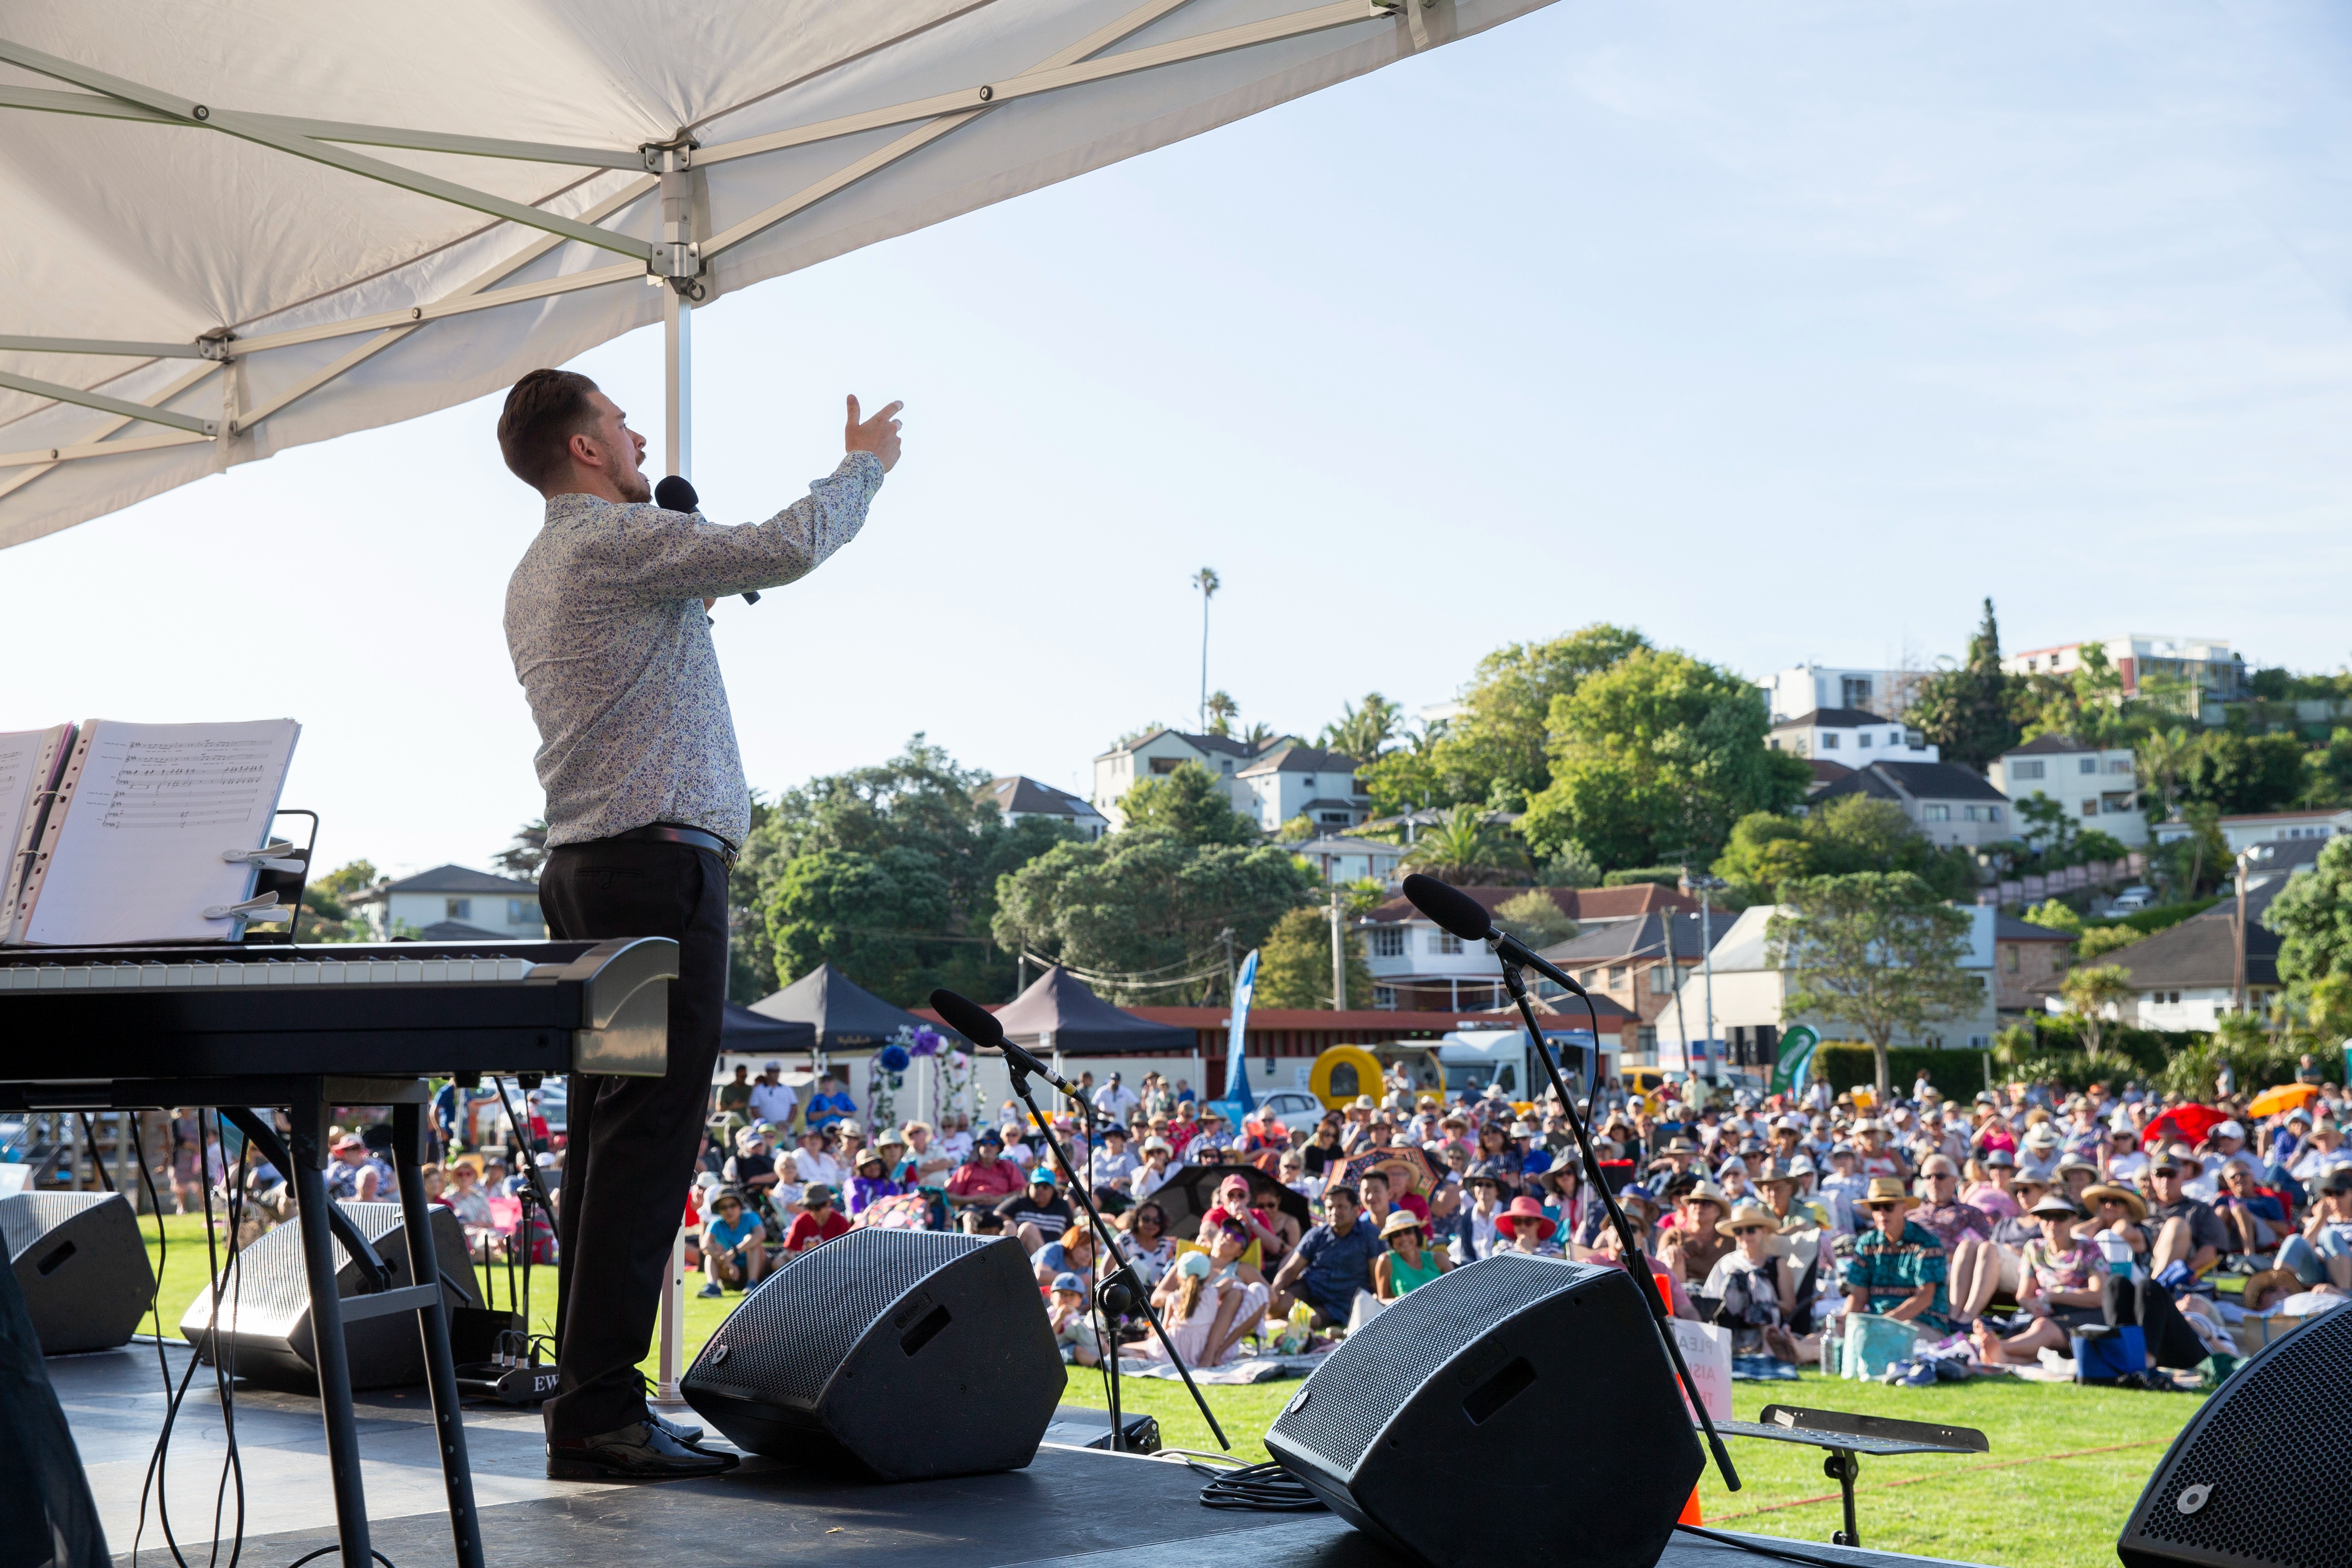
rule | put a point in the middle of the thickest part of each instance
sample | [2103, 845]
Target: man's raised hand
[878, 435]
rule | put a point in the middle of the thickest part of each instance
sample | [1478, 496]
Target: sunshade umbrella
[2184, 1124]
[1191, 1191]
[1060, 1012]
[239, 228]
[1408, 1168]
[2283, 1097]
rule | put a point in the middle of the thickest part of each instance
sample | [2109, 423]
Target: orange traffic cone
[1690, 1510]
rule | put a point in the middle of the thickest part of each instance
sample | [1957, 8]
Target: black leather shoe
[637, 1452]
[687, 1435]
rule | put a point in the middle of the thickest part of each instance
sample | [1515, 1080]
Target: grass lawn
[2065, 1467]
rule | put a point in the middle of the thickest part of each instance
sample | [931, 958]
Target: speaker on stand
[82, 1265]
[1513, 1371]
[2247, 1483]
[902, 1354]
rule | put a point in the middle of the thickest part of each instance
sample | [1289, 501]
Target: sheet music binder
[131, 847]
[30, 763]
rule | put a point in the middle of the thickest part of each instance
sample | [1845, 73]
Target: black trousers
[2171, 1342]
[629, 1158]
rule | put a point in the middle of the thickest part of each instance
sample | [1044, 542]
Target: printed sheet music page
[139, 857]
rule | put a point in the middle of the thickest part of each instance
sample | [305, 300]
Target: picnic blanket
[1762, 1369]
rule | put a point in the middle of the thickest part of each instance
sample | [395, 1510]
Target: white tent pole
[121, 407]
[100, 346]
[678, 385]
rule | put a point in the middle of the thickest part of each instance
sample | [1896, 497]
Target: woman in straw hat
[2117, 1209]
[1693, 1243]
[1407, 1263]
[1897, 1270]
[1754, 1287]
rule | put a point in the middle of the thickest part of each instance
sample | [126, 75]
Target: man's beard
[632, 487]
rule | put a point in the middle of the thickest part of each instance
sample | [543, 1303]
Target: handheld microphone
[978, 1025]
[1466, 918]
[676, 493]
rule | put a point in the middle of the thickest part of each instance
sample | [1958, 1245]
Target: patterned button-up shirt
[606, 624]
[1886, 1271]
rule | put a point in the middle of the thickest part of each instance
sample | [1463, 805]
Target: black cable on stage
[225, 1368]
[1259, 1488]
[1721, 1539]
[338, 1546]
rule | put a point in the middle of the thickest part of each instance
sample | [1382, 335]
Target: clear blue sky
[1779, 332]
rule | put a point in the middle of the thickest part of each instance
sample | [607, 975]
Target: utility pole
[1338, 955]
[1232, 979]
[1707, 885]
[2238, 970]
[1206, 581]
[1674, 968]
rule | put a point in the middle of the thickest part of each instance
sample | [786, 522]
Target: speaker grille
[792, 1334]
[1368, 1379]
[26, 1218]
[2266, 1425]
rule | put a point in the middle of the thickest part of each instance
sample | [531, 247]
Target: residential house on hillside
[1418, 965]
[1019, 796]
[1751, 993]
[452, 903]
[2097, 785]
[1294, 780]
[1804, 688]
[2029, 961]
[1163, 751]
[2210, 671]
[2186, 974]
[1849, 736]
[1627, 962]
[2267, 827]
[1949, 804]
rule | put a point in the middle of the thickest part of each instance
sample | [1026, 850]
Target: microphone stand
[1637, 1257]
[1122, 1279]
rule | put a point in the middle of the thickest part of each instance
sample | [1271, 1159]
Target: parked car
[1291, 1107]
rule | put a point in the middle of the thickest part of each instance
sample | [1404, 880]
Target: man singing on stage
[645, 809]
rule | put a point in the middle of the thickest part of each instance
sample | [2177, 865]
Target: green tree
[1875, 950]
[326, 914]
[1570, 865]
[1221, 711]
[1842, 836]
[2313, 917]
[1497, 754]
[526, 853]
[2097, 941]
[2057, 915]
[890, 871]
[1534, 918]
[1363, 734]
[2090, 990]
[1460, 847]
[2163, 756]
[1970, 712]
[1294, 963]
[1141, 901]
[1656, 759]
[1190, 801]
[2239, 775]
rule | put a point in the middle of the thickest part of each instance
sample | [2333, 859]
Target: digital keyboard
[356, 1010]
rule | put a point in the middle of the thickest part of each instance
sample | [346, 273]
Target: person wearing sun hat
[1408, 1263]
[2063, 1286]
[1755, 1287]
[1898, 1269]
[1691, 1243]
[1529, 1228]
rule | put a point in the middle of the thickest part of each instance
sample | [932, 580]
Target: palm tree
[1206, 581]
[1460, 847]
[1363, 733]
[1221, 710]
[2163, 756]
[2089, 992]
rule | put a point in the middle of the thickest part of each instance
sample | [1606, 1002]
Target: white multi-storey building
[2211, 671]
[2098, 786]
[1164, 750]
[1805, 687]
[1852, 736]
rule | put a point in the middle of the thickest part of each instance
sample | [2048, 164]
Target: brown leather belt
[671, 833]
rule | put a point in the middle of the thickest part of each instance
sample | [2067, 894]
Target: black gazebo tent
[844, 1014]
[1060, 1014]
[745, 1033]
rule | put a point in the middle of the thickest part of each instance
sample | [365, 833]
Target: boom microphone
[978, 1025]
[1466, 918]
[676, 493]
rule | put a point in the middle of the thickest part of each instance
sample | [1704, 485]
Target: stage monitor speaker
[265, 1325]
[903, 1353]
[1512, 1376]
[2245, 1484]
[80, 1260]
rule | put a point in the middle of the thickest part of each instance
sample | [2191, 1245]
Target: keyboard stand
[310, 1100]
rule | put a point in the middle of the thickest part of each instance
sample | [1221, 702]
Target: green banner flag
[1796, 1061]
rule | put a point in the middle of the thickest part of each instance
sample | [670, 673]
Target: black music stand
[1847, 1438]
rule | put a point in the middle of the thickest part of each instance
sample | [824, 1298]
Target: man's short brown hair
[544, 410]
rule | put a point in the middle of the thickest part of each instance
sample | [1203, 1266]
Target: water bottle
[2116, 1251]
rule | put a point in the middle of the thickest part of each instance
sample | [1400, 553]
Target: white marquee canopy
[238, 228]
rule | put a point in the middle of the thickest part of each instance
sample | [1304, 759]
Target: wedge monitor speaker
[1512, 1376]
[2246, 1483]
[265, 1312]
[78, 1259]
[902, 1354]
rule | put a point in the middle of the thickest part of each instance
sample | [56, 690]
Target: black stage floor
[1073, 1508]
